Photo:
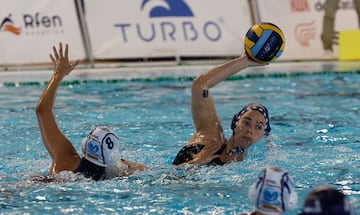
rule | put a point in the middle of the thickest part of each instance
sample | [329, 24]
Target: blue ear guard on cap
[260, 108]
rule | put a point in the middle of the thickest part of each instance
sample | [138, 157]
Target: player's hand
[61, 62]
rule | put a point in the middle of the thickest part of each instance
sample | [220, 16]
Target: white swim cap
[273, 193]
[101, 146]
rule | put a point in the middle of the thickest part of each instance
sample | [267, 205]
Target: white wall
[123, 29]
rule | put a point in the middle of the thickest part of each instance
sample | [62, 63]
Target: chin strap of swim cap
[262, 109]
[273, 192]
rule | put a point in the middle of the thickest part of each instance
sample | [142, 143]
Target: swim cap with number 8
[101, 146]
[264, 42]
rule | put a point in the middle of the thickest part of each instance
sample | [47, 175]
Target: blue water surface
[315, 136]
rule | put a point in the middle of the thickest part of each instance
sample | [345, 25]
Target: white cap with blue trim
[101, 146]
[273, 192]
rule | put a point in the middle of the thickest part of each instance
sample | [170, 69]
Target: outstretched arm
[60, 148]
[132, 166]
[207, 123]
[202, 104]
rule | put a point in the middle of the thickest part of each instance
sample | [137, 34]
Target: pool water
[315, 136]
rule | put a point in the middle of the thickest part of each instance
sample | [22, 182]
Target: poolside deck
[111, 71]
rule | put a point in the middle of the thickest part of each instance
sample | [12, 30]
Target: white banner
[29, 29]
[152, 28]
[302, 22]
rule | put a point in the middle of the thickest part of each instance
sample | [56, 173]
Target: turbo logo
[168, 8]
[161, 28]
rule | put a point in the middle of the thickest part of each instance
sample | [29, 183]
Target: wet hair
[90, 170]
[257, 107]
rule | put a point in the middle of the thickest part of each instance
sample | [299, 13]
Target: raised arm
[209, 131]
[202, 104]
[60, 148]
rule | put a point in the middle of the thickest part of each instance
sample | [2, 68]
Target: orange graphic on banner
[13, 29]
[7, 25]
[304, 32]
[300, 5]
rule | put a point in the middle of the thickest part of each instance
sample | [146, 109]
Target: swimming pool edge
[156, 72]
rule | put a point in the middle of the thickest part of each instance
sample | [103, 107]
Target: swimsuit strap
[237, 149]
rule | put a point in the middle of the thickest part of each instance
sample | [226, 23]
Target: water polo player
[327, 200]
[208, 144]
[101, 158]
[273, 193]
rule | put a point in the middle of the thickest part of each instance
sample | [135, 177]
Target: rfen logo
[8, 25]
[32, 24]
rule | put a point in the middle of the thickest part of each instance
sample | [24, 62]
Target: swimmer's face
[250, 128]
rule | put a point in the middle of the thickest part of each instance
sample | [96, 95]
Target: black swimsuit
[86, 168]
[185, 154]
[90, 170]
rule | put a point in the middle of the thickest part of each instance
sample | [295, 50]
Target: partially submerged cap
[101, 146]
[273, 192]
[325, 200]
